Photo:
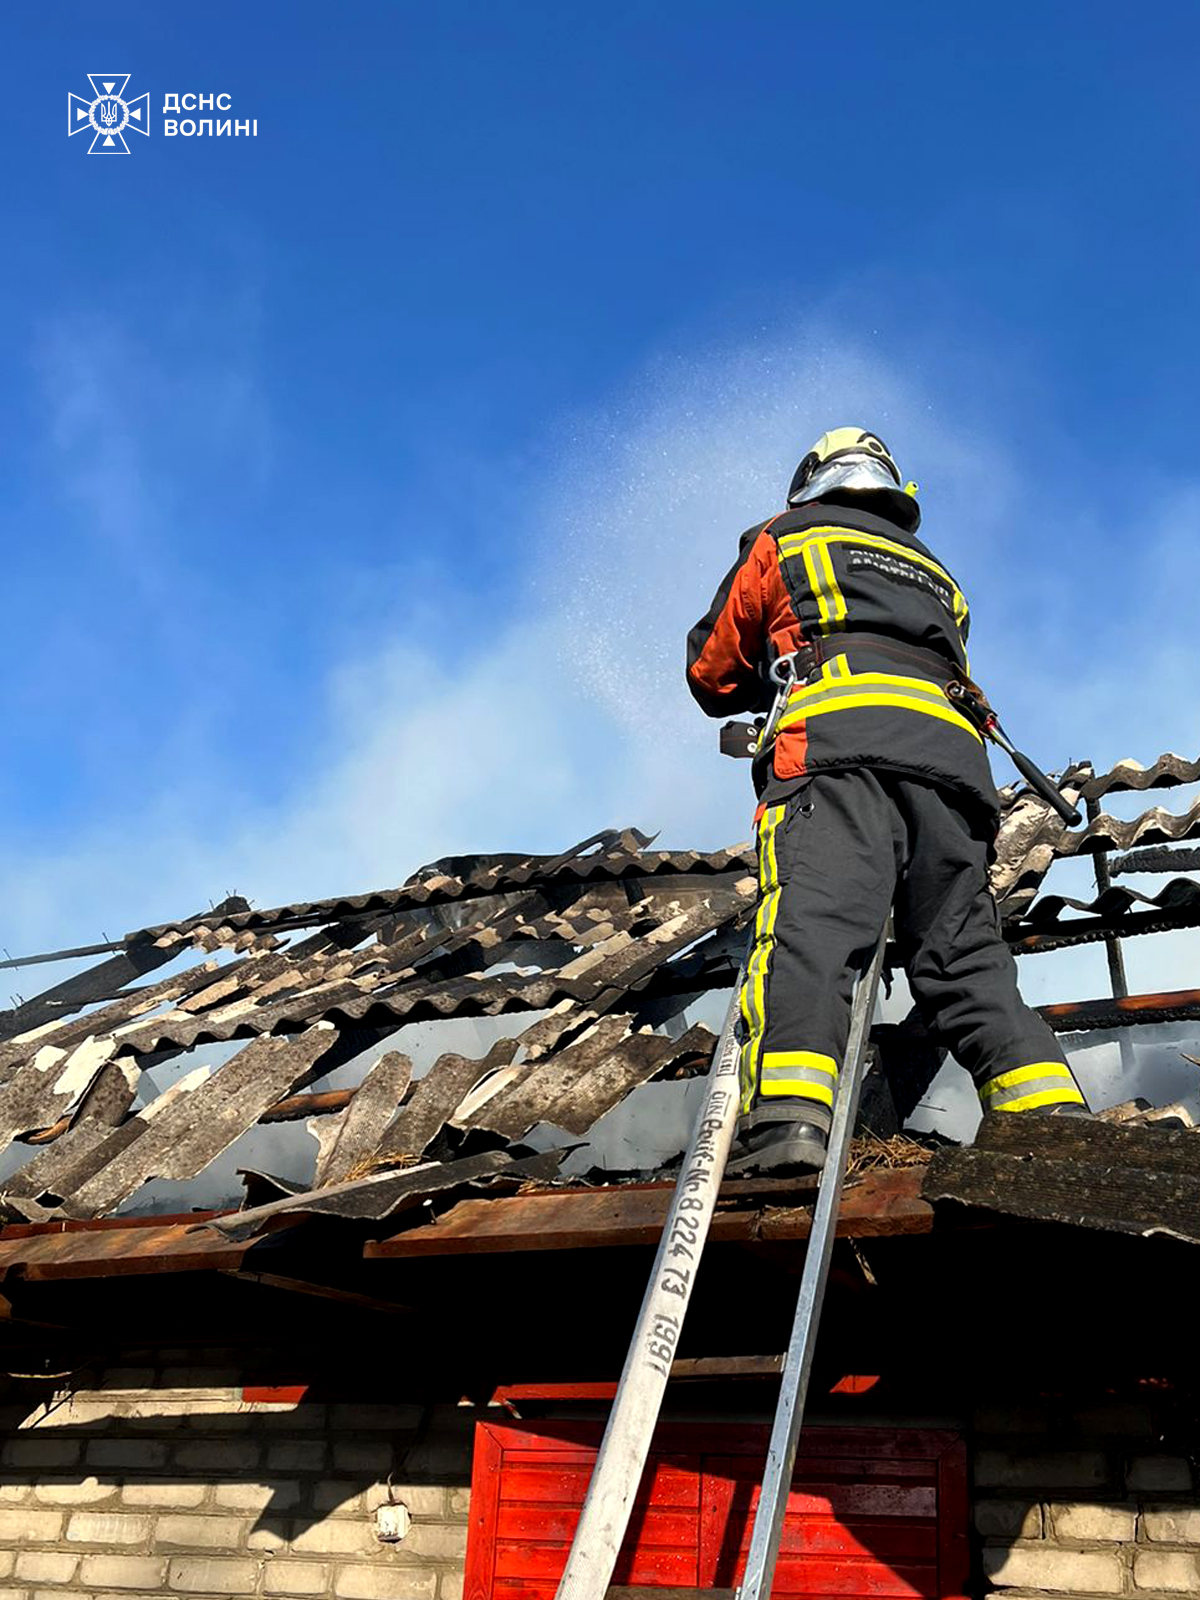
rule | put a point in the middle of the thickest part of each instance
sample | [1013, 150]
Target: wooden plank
[480, 1565]
[843, 1500]
[629, 1591]
[884, 1539]
[1181, 1005]
[706, 1368]
[649, 1566]
[56, 1226]
[954, 1518]
[854, 1578]
[662, 1486]
[558, 1522]
[119, 1251]
[295, 1107]
[344, 1140]
[881, 1203]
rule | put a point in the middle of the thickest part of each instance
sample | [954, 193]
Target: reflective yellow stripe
[813, 546]
[921, 686]
[753, 996]
[846, 693]
[839, 600]
[835, 670]
[772, 856]
[851, 702]
[817, 585]
[1019, 1075]
[805, 1065]
[1044, 1097]
[943, 713]
[798, 1088]
[1050, 1084]
[801, 1058]
[792, 544]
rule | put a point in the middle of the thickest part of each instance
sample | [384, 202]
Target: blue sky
[362, 477]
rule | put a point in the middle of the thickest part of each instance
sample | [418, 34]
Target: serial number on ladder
[683, 1243]
[661, 1340]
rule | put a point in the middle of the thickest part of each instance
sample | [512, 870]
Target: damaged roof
[598, 951]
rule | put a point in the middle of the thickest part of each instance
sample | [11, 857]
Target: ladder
[626, 1443]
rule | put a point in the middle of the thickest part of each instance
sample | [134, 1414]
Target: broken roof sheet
[1165, 773]
[598, 950]
[1065, 1169]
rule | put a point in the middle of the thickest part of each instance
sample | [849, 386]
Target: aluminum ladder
[626, 1443]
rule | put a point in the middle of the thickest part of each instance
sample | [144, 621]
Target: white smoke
[571, 713]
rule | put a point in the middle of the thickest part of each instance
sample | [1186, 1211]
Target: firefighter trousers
[833, 859]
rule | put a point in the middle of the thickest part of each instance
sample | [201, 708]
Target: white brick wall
[158, 1479]
[141, 1486]
[1059, 1570]
[1085, 1501]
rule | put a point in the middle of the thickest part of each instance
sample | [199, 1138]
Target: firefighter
[874, 795]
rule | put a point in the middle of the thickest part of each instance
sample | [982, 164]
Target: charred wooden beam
[1079, 1016]
[881, 1203]
[36, 1255]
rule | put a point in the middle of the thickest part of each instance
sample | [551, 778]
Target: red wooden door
[878, 1513]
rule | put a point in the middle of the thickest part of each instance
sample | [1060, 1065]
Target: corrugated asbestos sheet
[603, 948]
[1088, 1174]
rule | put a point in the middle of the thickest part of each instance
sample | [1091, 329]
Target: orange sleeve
[750, 620]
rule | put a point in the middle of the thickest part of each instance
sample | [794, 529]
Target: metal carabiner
[782, 673]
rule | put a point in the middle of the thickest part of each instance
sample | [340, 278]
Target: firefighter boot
[780, 1150]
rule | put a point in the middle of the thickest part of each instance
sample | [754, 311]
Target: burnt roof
[603, 947]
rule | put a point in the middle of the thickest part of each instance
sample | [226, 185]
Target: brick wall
[156, 1478]
[153, 1477]
[1091, 1500]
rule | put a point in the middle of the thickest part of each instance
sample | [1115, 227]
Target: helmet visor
[847, 472]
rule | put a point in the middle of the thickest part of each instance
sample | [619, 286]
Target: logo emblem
[109, 116]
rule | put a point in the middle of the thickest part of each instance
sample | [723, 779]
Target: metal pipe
[1112, 946]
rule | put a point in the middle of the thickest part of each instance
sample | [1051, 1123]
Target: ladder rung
[727, 1367]
[622, 1592]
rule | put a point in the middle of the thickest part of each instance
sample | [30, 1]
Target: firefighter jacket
[881, 628]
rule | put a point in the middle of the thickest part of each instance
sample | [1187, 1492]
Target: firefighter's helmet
[857, 461]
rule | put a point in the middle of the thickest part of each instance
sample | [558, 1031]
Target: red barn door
[878, 1513]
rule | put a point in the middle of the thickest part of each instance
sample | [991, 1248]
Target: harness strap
[932, 662]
